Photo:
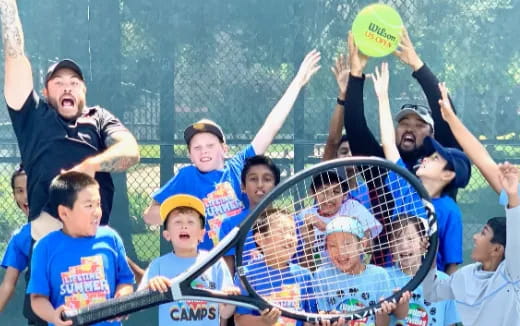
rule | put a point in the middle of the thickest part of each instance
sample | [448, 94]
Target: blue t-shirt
[346, 292]
[229, 223]
[449, 217]
[218, 189]
[290, 288]
[77, 272]
[422, 312]
[192, 313]
[17, 251]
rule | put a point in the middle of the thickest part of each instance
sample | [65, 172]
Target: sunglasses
[421, 109]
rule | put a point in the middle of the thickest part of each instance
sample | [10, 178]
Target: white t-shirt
[483, 297]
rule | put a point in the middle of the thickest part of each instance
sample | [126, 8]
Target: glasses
[421, 109]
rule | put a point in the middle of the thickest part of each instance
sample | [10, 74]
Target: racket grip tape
[117, 307]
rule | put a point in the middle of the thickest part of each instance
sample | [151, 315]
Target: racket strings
[292, 239]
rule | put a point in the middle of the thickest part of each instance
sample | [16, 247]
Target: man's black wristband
[340, 102]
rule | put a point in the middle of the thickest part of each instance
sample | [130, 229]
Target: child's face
[279, 243]
[184, 231]
[344, 150]
[20, 193]
[84, 217]
[329, 198]
[407, 249]
[207, 152]
[260, 180]
[482, 245]
[433, 167]
[345, 251]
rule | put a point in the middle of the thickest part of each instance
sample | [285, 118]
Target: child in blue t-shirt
[408, 236]
[441, 170]
[259, 176]
[216, 181]
[16, 255]
[183, 217]
[82, 263]
[347, 284]
[274, 277]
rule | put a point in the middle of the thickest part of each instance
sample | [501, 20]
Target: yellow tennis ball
[377, 29]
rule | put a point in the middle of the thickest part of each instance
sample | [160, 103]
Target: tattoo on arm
[12, 33]
[117, 157]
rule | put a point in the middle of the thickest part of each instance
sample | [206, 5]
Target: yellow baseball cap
[181, 200]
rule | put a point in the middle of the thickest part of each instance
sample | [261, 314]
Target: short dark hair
[184, 209]
[18, 172]
[263, 222]
[402, 220]
[260, 160]
[343, 139]
[327, 178]
[498, 225]
[64, 190]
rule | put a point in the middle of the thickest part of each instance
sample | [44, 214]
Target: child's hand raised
[445, 104]
[381, 79]
[509, 181]
[308, 67]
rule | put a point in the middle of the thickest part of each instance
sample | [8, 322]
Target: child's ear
[258, 239]
[166, 235]
[63, 212]
[201, 234]
[225, 148]
[498, 250]
[447, 176]
[45, 92]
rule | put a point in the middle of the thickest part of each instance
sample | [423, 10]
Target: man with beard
[59, 132]
[415, 122]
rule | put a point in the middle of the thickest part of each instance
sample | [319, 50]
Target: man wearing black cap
[59, 132]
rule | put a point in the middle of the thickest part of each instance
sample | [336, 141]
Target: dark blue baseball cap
[455, 158]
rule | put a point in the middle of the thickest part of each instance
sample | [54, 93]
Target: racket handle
[117, 307]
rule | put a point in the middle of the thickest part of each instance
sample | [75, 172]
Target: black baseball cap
[204, 125]
[65, 63]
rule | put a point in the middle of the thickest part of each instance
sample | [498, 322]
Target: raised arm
[407, 54]
[341, 72]
[18, 80]
[122, 152]
[362, 141]
[509, 180]
[381, 80]
[279, 113]
[476, 152]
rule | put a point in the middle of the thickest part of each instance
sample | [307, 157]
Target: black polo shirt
[48, 144]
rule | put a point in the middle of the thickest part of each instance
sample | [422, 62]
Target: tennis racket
[290, 257]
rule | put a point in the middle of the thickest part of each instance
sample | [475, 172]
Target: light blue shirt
[193, 313]
[421, 311]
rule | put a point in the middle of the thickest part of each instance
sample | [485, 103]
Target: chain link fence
[161, 67]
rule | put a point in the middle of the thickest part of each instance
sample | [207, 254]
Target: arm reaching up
[279, 113]
[476, 152]
[509, 181]
[341, 72]
[18, 80]
[381, 79]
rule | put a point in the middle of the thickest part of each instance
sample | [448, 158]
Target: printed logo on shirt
[353, 304]
[221, 204]
[288, 298]
[85, 284]
[417, 315]
[193, 311]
